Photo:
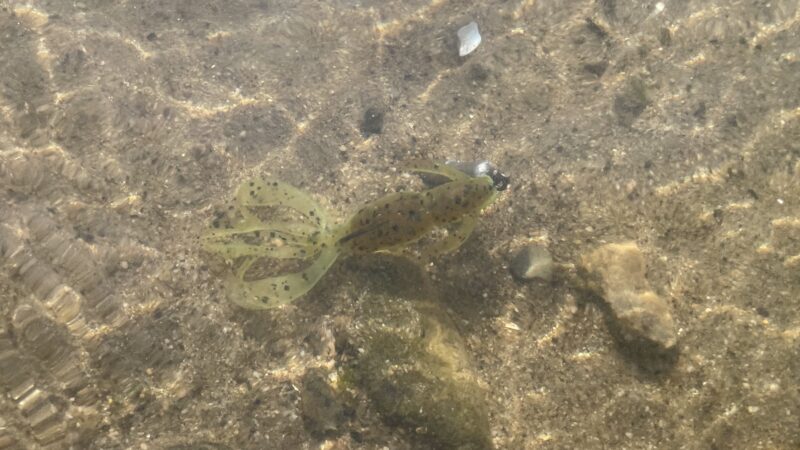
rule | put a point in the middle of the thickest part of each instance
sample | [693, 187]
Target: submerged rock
[532, 261]
[616, 272]
[631, 102]
[323, 411]
[411, 363]
[372, 123]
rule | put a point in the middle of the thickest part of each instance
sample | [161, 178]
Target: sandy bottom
[125, 125]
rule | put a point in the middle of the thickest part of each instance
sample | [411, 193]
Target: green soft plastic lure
[306, 239]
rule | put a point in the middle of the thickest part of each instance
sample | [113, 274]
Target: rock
[631, 102]
[411, 363]
[532, 261]
[616, 272]
[372, 123]
[323, 412]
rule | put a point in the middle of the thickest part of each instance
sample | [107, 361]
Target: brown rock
[616, 272]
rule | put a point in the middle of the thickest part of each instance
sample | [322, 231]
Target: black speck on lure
[388, 224]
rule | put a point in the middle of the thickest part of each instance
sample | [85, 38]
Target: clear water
[125, 128]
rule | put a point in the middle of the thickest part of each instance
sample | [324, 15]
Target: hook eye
[478, 169]
[499, 180]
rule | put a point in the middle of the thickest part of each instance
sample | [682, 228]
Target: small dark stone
[152, 36]
[86, 236]
[664, 37]
[372, 122]
[762, 311]
[478, 73]
[596, 28]
[597, 69]
[718, 215]
[631, 102]
[700, 112]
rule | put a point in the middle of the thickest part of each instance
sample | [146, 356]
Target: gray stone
[532, 261]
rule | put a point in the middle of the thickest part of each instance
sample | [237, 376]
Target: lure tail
[250, 242]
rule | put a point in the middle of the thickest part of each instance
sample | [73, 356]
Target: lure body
[389, 224]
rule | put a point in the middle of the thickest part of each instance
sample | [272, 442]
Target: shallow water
[125, 126]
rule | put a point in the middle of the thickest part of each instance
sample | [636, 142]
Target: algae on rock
[411, 362]
[324, 411]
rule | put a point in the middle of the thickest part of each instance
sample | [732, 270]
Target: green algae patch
[323, 409]
[409, 359]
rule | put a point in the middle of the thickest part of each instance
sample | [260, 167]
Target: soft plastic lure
[306, 239]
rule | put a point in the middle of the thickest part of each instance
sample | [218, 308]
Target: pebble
[372, 123]
[468, 39]
[533, 262]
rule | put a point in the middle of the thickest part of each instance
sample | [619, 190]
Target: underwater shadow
[464, 277]
[387, 275]
[650, 360]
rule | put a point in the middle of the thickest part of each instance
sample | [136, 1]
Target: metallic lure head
[481, 168]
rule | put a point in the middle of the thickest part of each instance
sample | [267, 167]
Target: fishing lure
[309, 244]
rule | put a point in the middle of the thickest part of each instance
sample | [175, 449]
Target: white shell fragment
[468, 38]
